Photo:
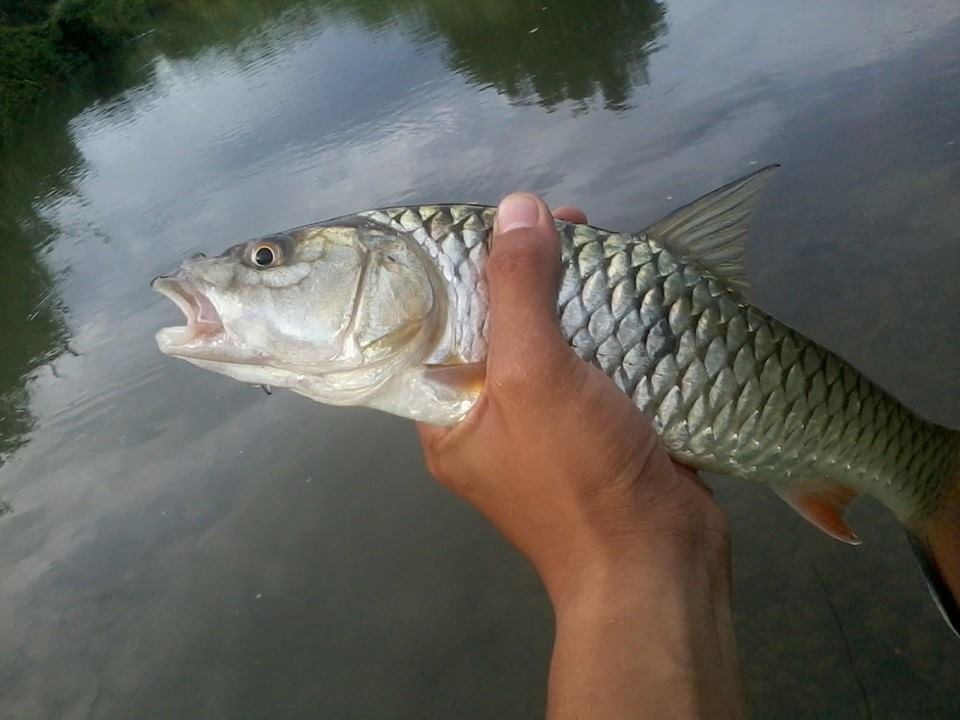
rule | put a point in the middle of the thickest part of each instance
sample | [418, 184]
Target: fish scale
[729, 388]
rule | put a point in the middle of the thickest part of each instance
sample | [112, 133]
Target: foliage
[28, 63]
[23, 12]
[43, 40]
[95, 27]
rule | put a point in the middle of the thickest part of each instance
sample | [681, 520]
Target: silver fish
[388, 309]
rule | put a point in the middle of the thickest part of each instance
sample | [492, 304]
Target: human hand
[554, 454]
[631, 547]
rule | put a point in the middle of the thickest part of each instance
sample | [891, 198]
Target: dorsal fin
[712, 231]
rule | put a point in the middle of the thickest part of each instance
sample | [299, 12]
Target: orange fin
[469, 377]
[824, 506]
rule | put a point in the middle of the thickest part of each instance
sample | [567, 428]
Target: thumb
[523, 279]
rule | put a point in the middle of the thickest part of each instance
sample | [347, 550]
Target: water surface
[173, 544]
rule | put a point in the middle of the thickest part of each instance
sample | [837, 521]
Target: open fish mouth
[203, 320]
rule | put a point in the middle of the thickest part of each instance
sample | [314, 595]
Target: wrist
[665, 620]
[625, 578]
[634, 558]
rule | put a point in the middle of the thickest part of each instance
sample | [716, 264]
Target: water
[173, 544]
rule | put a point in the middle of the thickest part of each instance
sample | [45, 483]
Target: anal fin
[823, 506]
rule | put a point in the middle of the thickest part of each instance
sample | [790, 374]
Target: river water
[174, 544]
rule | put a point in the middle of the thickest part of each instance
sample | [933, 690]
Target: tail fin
[937, 545]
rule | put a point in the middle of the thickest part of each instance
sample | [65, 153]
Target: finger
[571, 215]
[523, 279]
[429, 434]
[690, 473]
[448, 469]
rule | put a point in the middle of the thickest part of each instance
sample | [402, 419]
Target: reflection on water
[545, 51]
[182, 546]
[34, 326]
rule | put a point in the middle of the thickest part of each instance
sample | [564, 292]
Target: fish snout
[201, 315]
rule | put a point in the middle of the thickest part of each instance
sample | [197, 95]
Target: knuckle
[448, 452]
[442, 470]
[449, 470]
[434, 466]
[432, 456]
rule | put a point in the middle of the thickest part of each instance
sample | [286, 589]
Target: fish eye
[265, 255]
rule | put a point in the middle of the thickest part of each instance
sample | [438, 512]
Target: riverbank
[43, 41]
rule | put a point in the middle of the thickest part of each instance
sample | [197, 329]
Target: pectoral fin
[468, 377]
[824, 506]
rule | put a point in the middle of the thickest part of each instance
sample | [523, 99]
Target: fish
[387, 309]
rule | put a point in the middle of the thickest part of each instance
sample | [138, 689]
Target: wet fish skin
[665, 313]
[730, 388]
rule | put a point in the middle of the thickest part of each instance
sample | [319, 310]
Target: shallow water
[174, 544]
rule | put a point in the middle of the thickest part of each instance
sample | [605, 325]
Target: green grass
[42, 42]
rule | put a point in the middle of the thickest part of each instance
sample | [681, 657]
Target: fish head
[332, 308]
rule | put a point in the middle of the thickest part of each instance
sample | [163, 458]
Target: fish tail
[936, 542]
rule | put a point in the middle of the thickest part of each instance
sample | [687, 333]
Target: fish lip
[203, 320]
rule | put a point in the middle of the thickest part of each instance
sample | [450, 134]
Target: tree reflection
[542, 51]
[547, 51]
[33, 330]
